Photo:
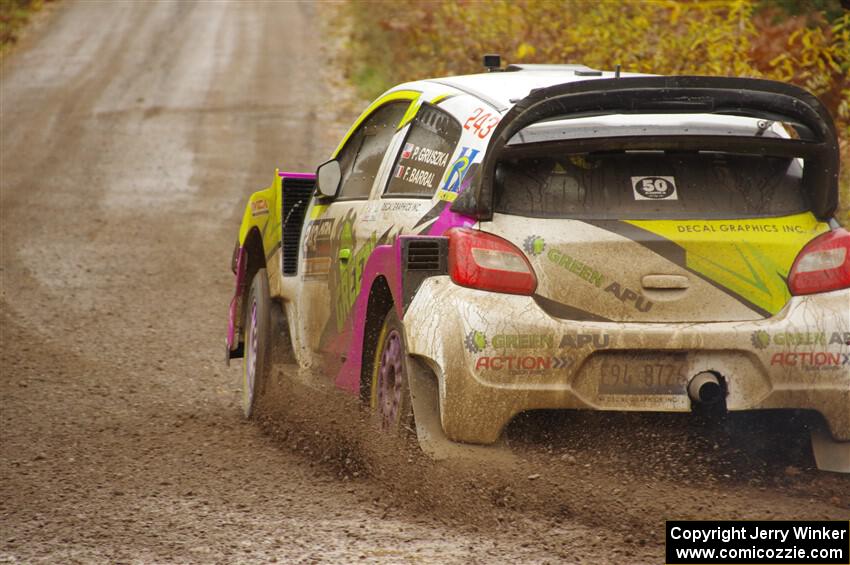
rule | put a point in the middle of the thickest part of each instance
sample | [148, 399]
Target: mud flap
[282, 352]
[830, 455]
[425, 399]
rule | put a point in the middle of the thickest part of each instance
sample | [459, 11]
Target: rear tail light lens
[487, 262]
[822, 265]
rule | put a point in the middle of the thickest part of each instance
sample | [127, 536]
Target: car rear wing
[816, 142]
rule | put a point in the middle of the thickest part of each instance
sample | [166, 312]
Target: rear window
[650, 185]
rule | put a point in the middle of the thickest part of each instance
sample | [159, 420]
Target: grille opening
[423, 255]
[295, 199]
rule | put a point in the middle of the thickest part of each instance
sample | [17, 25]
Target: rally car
[557, 237]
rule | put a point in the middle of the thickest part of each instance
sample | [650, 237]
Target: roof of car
[503, 89]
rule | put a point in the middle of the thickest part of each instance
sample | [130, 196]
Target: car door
[337, 244]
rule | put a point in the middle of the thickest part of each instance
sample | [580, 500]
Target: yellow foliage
[663, 37]
[399, 40]
[525, 50]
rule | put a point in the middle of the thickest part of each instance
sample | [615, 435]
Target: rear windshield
[650, 184]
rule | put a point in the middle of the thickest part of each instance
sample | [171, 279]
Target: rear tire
[256, 363]
[390, 390]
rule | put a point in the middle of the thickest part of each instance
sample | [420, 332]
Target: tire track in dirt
[131, 135]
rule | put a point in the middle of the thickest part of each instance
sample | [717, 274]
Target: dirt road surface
[131, 134]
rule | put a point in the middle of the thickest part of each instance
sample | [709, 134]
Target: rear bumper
[497, 355]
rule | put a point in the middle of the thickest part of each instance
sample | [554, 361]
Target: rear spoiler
[756, 98]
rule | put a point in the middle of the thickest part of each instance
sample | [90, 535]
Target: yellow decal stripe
[411, 112]
[252, 220]
[447, 195]
[317, 210]
[751, 258]
[411, 95]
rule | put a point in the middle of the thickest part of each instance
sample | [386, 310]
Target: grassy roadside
[805, 42]
[14, 16]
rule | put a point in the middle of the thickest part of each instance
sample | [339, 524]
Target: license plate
[652, 374]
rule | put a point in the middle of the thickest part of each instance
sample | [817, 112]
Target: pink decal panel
[293, 175]
[448, 219]
[384, 261]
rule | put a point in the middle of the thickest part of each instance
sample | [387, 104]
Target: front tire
[390, 390]
[256, 360]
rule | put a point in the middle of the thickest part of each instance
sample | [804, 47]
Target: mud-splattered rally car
[556, 237]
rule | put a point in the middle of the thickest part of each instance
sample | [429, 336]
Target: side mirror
[328, 176]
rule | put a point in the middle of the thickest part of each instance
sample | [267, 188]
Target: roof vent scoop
[493, 62]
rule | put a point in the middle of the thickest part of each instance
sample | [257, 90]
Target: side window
[361, 157]
[425, 154]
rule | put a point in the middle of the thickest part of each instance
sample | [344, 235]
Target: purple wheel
[390, 396]
[390, 379]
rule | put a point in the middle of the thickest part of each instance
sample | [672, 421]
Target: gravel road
[131, 134]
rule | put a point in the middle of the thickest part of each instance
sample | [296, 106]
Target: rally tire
[390, 389]
[256, 362]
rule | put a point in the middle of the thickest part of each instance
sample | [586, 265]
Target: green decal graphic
[534, 245]
[576, 267]
[475, 341]
[760, 339]
[523, 341]
[350, 271]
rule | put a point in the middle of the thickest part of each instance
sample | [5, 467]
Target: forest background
[804, 42]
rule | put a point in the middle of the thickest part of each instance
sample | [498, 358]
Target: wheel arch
[255, 256]
[249, 257]
[380, 301]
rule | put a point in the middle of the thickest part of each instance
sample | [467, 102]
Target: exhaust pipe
[705, 388]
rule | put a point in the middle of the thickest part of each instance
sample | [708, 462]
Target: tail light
[822, 265]
[487, 262]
